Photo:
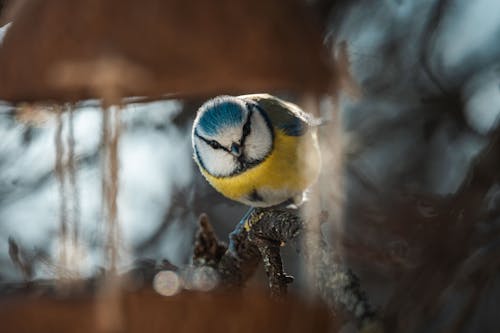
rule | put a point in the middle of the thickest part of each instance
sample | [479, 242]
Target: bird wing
[284, 115]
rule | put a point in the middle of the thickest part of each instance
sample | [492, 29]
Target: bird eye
[214, 144]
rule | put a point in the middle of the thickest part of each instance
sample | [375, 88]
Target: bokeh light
[167, 283]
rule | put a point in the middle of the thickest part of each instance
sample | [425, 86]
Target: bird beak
[236, 149]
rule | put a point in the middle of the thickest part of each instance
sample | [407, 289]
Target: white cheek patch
[259, 142]
[217, 162]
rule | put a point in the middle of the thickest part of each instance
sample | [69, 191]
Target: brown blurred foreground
[72, 50]
[146, 311]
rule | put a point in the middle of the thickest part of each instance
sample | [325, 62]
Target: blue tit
[256, 149]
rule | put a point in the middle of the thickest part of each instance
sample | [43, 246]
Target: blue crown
[220, 112]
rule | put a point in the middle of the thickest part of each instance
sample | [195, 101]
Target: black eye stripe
[247, 126]
[212, 143]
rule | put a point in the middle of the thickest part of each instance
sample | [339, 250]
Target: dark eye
[214, 144]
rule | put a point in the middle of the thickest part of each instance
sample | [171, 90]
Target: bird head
[231, 135]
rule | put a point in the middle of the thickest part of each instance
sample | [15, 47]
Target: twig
[259, 236]
[278, 280]
[207, 249]
[239, 261]
[74, 188]
[19, 261]
[61, 180]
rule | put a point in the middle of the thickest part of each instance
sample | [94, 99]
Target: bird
[256, 149]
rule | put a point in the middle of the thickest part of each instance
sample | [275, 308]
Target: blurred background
[417, 100]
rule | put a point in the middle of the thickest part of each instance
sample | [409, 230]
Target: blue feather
[220, 112]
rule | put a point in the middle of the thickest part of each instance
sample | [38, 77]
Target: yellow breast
[292, 166]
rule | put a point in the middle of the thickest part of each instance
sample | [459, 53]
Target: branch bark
[258, 236]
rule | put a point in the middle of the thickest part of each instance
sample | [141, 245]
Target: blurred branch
[207, 248]
[428, 36]
[19, 260]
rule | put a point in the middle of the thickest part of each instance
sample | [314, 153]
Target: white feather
[259, 142]
[216, 161]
